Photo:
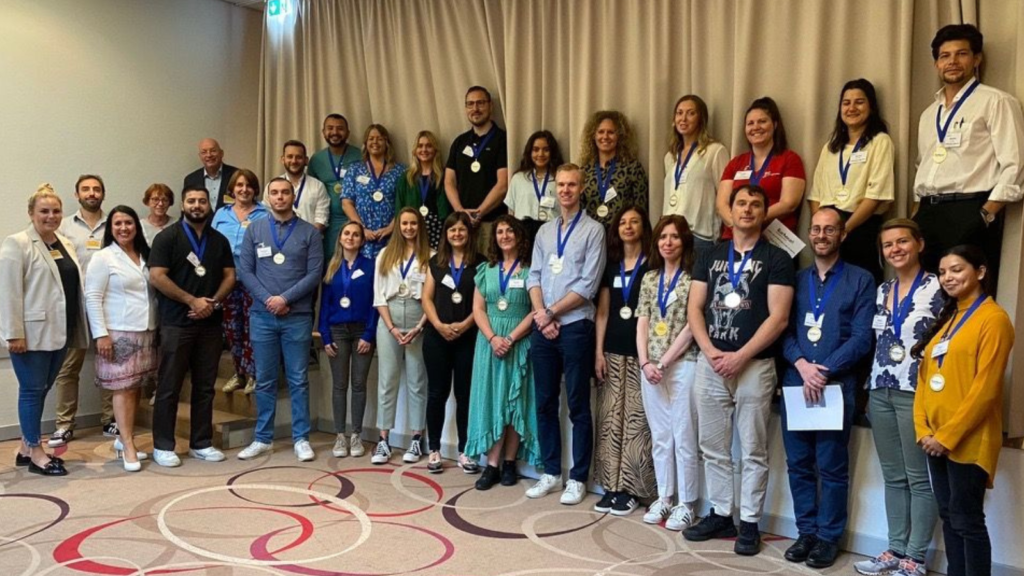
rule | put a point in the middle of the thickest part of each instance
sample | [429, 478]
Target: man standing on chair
[192, 268]
[568, 259]
[280, 263]
[970, 144]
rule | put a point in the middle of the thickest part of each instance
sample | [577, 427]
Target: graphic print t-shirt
[731, 328]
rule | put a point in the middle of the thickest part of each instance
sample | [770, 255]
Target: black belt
[955, 197]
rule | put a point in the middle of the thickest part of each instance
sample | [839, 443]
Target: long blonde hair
[436, 167]
[339, 252]
[675, 142]
[394, 252]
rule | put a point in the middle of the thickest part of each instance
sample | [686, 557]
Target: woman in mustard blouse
[958, 409]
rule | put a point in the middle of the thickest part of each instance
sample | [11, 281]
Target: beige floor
[332, 516]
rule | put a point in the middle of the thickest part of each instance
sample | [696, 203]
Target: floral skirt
[134, 364]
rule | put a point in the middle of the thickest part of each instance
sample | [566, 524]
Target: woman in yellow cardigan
[958, 409]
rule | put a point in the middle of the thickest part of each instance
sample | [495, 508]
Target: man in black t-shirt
[739, 306]
[192, 268]
[476, 177]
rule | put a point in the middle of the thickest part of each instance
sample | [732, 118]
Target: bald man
[214, 175]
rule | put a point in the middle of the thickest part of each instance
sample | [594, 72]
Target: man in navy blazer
[214, 175]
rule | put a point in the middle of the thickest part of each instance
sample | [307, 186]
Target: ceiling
[256, 5]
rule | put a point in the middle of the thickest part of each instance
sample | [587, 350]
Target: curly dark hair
[523, 242]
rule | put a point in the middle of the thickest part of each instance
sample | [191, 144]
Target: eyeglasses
[159, 200]
[470, 104]
[826, 230]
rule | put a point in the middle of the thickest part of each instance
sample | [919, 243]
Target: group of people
[463, 279]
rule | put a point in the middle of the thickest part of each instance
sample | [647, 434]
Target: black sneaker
[488, 479]
[624, 504]
[711, 526]
[801, 549]
[604, 505]
[823, 555]
[60, 437]
[749, 541]
[110, 430]
[509, 474]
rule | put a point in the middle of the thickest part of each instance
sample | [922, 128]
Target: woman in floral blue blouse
[368, 192]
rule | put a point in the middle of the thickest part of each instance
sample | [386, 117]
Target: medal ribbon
[424, 189]
[627, 288]
[199, 248]
[457, 272]
[844, 169]
[337, 167]
[537, 189]
[346, 275]
[273, 232]
[478, 148]
[942, 129]
[900, 310]
[664, 294]
[374, 178]
[947, 336]
[817, 308]
[563, 243]
[503, 280]
[756, 175]
[302, 186]
[408, 266]
[603, 182]
[734, 277]
[681, 163]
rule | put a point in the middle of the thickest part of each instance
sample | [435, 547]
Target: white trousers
[671, 409]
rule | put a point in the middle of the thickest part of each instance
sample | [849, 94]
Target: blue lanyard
[627, 288]
[374, 178]
[273, 232]
[947, 336]
[504, 280]
[336, 167]
[844, 169]
[900, 310]
[302, 186]
[817, 308]
[346, 274]
[563, 243]
[603, 183]
[942, 129]
[755, 176]
[734, 277]
[537, 189]
[199, 248]
[457, 272]
[408, 266]
[478, 148]
[663, 294]
[681, 163]
[425, 182]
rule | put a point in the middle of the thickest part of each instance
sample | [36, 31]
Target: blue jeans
[36, 372]
[572, 353]
[274, 337]
[820, 455]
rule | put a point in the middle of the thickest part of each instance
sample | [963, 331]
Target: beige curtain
[551, 63]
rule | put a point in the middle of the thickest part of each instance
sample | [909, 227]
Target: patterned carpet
[329, 517]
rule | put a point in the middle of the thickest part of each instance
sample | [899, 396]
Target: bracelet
[491, 338]
[509, 340]
[390, 330]
[644, 365]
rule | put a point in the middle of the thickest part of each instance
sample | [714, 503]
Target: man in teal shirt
[329, 166]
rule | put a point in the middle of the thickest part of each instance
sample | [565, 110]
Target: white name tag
[342, 172]
[810, 321]
[547, 202]
[672, 297]
[617, 283]
[263, 252]
[448, 281]
[468, 151]
[940, 349]
[357, 274]
[879, 322]
[517, 283]
[192, 259]
[741, 175]
[364, 179]
[417, 276]
[952, 140]
[611, 193]
[682, 180]
[859, 157]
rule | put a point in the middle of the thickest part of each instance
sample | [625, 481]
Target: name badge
[468, 151]
[547, 202]
[364, 179]
[56, 255]
[741, 175]
[810, 321]
[952, 140]
[417, 276]
[93, 244]
[342, 172]
[672, 297]
[517, 283]
[940, 349]
[263, 252]
[192, 259]
[245, 224]
[859, 157]
[682, 180]
[357, 274]
[617, 283]
[448, 281]
[611, 193]
[879, 322]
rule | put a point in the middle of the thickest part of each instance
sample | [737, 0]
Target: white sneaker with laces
[355, 446]
[413, 454]
[60, 437]
[574, 493]
[303, 451]
[340, 449]
[210, 454]
[381, 454]
[253, 450]
[658, 511]
[680, 518]
[546, 485]
[166, 458]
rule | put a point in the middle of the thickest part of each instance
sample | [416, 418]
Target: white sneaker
[340, 449]
[382, 453]
[574, 493]
[253, 450]
[303, 451]
[658, 511]
[413, 454]
[355, 446]
[166, 458]
[546, 485]
[680, 518]
[234, 383]
[210, 454]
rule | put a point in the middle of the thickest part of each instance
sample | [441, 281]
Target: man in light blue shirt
[568, 259]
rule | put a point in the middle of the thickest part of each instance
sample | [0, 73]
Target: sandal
[434, 465]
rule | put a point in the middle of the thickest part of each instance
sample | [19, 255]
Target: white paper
[801, 417]
[784, 238]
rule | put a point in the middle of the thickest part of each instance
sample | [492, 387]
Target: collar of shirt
[220, 170]
[940, 96]
[77, 219]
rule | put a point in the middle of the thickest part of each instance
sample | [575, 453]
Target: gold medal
[475, 166]
[403, 289]
[345, 302]
[456, 298]
[200, 271]
[602, 211]
[842, 195]
[661, 328]
[424, 211]
[939, 154]
[673, 200]
[543, 215]
[897, 353]
[502, 304]
[378, 196]
[337, 187]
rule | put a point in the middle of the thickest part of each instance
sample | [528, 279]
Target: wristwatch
[987, 217]
[660, 367]
[549, 313]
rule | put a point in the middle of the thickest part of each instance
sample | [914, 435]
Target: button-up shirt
[88, 240]
[846, 334]
[212, 183]
[990, 126]
[297, 277]
[582, 264]
[314, 204]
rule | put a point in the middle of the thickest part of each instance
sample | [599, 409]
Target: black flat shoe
[509, 476]
[51, 469]
[22, 460]
[489, 478]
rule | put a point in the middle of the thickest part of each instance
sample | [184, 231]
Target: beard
[193, 219]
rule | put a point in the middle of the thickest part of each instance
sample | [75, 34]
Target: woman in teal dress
[502, 406]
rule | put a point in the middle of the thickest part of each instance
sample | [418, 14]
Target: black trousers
[861, 246]
[447, 363]
[194, 349]
[960, 492]
[953, 223]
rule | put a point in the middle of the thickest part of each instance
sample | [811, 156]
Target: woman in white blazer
[41, 313]
[122, 317]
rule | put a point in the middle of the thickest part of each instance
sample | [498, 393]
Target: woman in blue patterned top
[368, 192]
[905, 307]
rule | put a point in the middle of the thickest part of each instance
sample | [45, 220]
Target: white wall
[124, 89]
